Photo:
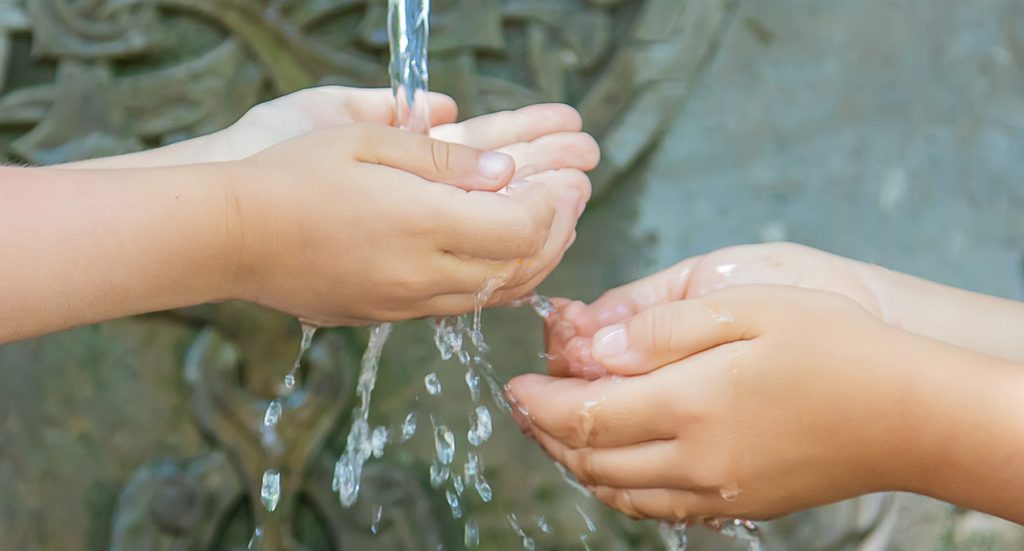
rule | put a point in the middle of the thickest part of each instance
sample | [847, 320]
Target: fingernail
[493, 165]
[611, 342]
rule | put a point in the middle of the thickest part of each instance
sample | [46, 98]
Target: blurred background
[891, 131]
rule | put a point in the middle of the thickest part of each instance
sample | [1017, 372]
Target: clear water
[432, 384]
[270, 492]
[479, 426]
[359, 447]
[674, 536]
[471, 539]
[378, 515]
[408, 427]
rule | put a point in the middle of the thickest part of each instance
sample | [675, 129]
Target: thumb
[458, 165]
[667, 333]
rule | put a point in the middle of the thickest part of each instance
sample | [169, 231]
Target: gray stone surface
[889, 131]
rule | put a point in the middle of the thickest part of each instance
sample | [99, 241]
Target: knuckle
[658, 328]
[624, 502]
[442, 156]
[581, 463]
[581, 430]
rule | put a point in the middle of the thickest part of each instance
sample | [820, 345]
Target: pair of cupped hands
[735, 384]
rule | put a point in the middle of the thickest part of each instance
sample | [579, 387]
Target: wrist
[240, 228]
[961, 428]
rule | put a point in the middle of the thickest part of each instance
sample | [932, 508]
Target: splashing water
[378, 514]
[256, 539]
[674, 536]
[591, 527]
[444, 444]
[273, 414]
[479, 426]
[513, 521]
[270, 493]
[378, 440]
[542, 305]
[432, 383]
[349, 469]
[453, 503]
[471, 539]
[408, 427]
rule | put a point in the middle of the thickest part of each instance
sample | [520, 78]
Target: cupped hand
[363, 223]
[572, 332]
[749, 402]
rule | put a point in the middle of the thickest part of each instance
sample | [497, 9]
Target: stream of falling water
[408, 31]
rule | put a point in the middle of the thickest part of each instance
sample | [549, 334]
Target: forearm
[192, 151]
[966, 429]
[81, 246]
[985, 324]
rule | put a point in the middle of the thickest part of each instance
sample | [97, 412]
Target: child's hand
[749, 402]
[309, 110]
[570, 332]
[365, 223]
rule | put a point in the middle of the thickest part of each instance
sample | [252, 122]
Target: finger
[654, 464]
[598, 414]
[560, 333]
[503, 227]
[563, 150]
[328, 104]
[561, 235]
[622, 303]
[662, 504]
[670, 332]
[433, 160]
[580, 359]
[499, 274]
[497, 130]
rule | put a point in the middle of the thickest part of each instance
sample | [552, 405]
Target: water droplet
[471, 470]
[347, 480]
[527, 541]
[586, 518]
[479, 426]
[741, 530]
[270, 493]
[379, 440]
[484, 489]
[377, 516]
[256, 539]
[542, 523]
[673, 535]
[289, 381]
[730, 492]
[542, 305]
[472, 535]
[473, 383]
[448, 336]
[273, 414]
[444, 444]
[438, 473]
[432, 383]
[457, 483]
[546, 356]
[453, 503]
[409, 426]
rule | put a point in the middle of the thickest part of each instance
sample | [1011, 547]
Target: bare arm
[987, 324]
[82, 246]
